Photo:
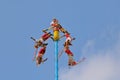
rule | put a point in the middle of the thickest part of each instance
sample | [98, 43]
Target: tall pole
[56, 60]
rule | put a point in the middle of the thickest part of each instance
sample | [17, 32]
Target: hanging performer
[67, 44]
[71, 61]
[39, 57]
[41, 41]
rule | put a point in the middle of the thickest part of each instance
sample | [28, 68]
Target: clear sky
[94, 23]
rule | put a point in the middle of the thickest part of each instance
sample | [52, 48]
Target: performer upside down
[39, 57]
[71, 61]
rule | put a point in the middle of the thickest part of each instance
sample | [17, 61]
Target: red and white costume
[68, 37]
[44, 37]
[39, 57]
[55, 25]
[42, 51]
[71, 61]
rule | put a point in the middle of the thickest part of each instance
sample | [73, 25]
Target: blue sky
[94, 23]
